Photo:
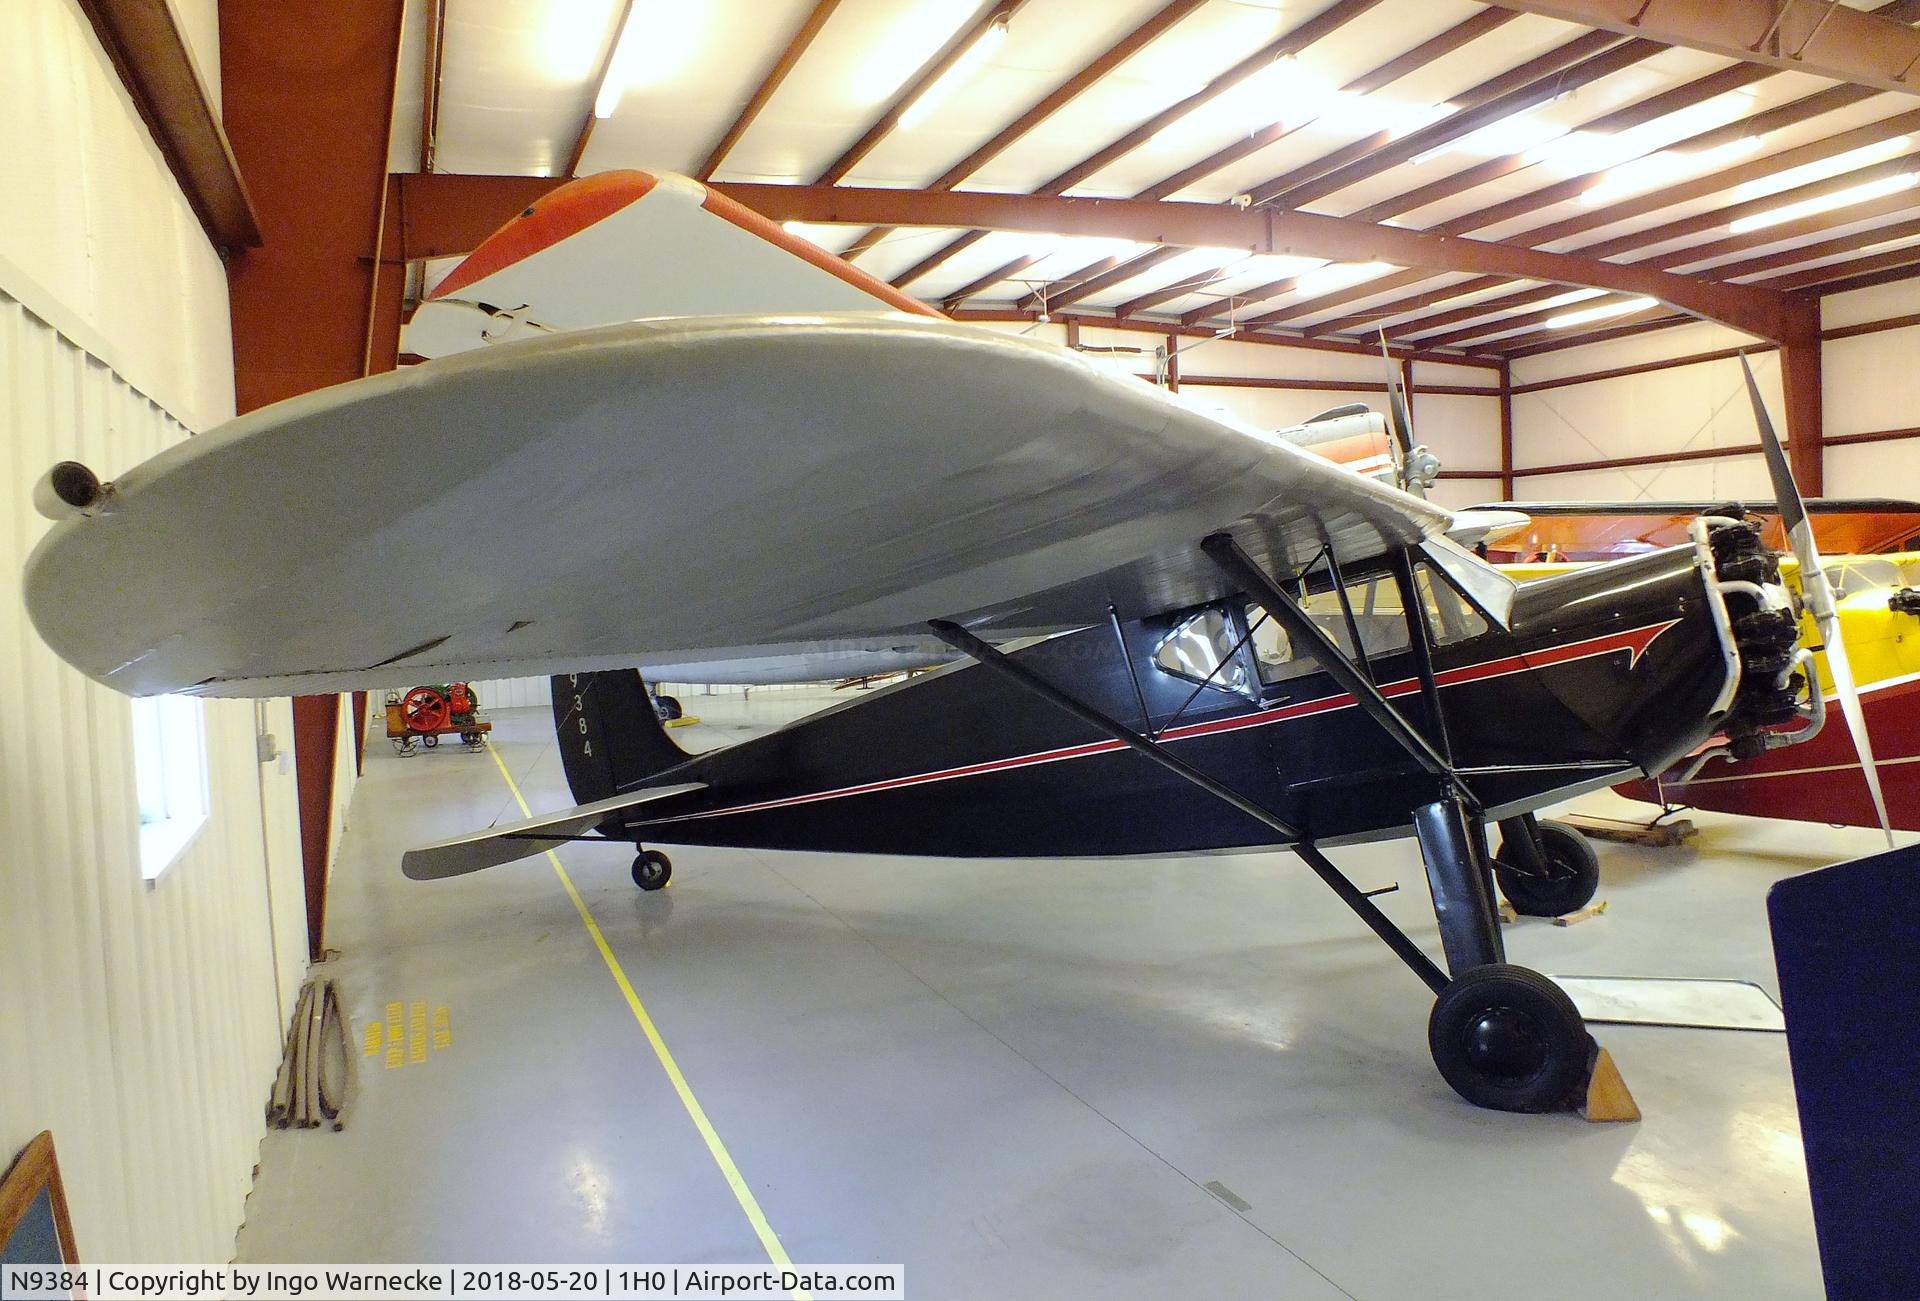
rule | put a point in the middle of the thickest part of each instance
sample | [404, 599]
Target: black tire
[652, 870]
[430, 740]
[1573, 874]
[668, 707]
[1508, 1039]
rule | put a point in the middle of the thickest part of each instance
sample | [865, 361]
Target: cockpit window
[1377, 613]
[1206, 646]
[1448, 613]
[1202, 649]
[1856, 575]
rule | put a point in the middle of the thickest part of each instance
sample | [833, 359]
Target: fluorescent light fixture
[1059, 253]
[1826, 203]
[1338, 275]
[811, 231]
[970, 61]
[1284, 94]
[1518, 133]
[1199, 262]
[1807, 173]
[1568, 298]
[655, 40]
[1627, 308]
[1664, 168]
[1278, 266]
[614, 84]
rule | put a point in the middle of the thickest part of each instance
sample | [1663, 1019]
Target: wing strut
[1271, 597]
[1452, 839]
[1350, 894]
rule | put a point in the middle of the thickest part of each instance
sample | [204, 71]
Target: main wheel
[1571, 879]
[1509, 1039]
[652, 870]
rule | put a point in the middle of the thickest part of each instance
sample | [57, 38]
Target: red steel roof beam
[1827, 40]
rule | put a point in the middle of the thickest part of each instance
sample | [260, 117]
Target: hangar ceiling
[1777, 169]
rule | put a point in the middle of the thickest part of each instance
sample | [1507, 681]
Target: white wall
[1872, 382]
[141, 1024]
[94, 234]
[1869, 382]
[1681, 408]
[513, 693]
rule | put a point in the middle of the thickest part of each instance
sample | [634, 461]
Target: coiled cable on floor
[301, 1097]
[333, 1105]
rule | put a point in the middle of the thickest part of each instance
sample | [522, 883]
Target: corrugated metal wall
[140, 1023]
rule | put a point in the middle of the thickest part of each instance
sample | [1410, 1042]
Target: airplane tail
[1353, 436]
[611, 739]
[624, 245]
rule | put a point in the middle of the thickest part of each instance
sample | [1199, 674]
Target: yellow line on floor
[769, 1241]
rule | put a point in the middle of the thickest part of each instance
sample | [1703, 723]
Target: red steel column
[1806, 438]
[308, 96]
[1506, 431]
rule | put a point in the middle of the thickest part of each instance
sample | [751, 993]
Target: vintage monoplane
[1181, 634]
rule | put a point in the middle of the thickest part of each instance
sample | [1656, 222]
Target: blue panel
[35, 1241]
[1846, 940]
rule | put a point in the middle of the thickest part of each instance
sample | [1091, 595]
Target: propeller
[1417, 465]
[1817, 592]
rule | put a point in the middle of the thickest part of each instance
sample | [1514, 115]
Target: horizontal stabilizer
[517, 840]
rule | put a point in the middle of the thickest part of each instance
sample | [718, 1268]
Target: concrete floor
[1019, 1078]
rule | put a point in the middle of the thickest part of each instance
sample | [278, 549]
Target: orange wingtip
[555, 216]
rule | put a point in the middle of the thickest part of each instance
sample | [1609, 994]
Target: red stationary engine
[424, 714]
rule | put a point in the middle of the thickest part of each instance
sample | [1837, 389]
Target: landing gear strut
[652, 870]
[1505, 1037]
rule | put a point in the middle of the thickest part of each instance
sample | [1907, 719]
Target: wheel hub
[1505, 1042]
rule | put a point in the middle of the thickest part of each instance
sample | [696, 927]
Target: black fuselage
[1608, 671]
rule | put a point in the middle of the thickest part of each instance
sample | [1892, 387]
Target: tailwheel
[1509, 1039]
[652, 870]
[1564, 882]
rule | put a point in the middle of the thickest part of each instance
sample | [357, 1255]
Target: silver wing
[688, 490]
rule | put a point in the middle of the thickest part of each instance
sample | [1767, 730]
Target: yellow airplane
[1872, 563]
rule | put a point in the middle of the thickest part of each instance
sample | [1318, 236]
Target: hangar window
[170, 777]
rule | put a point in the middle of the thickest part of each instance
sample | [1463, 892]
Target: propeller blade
[1817, 592]
[1401, 420]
